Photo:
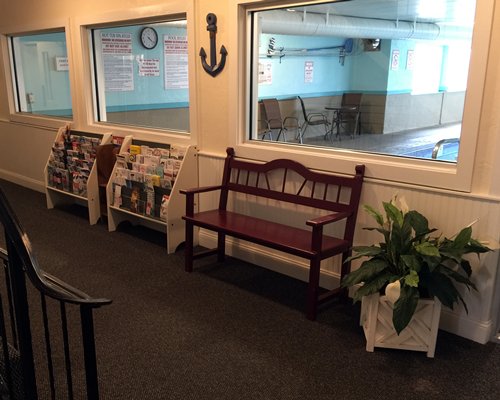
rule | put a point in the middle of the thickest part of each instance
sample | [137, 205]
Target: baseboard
[477, 331]
[275, 261]
[22, 180]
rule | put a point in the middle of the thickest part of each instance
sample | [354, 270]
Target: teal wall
[400, 80]
[149, 92]
[329, 76]
[50, 88]
[369, 69]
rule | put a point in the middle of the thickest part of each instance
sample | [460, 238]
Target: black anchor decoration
[214, 68]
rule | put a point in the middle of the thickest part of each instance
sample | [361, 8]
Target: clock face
[149, 38]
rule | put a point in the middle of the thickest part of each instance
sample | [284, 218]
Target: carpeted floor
[231, 331]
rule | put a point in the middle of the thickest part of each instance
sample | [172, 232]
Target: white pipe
[289, 23]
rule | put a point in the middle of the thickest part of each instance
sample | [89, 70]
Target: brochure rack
[139, 190]
[71, 173]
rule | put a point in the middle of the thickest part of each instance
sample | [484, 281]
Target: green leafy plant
[421, 264]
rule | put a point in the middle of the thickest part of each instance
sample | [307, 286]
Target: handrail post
[21, 310]
[89, 352]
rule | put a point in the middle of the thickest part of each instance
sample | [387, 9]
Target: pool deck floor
[399, 143]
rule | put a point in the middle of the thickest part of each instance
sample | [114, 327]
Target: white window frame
[37, 27]
[457, 177]
[85, 111]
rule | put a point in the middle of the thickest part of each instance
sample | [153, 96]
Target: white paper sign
[118, 61]
[308, 71]
[265, 73]
[149, 67]
[176, 62]
[395, 60]
[410, 57]
[62, 64]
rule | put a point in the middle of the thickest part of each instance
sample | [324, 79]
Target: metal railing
[440, 144]
[21, 372]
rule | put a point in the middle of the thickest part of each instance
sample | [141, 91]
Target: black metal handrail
[59, 290]
[19, 261]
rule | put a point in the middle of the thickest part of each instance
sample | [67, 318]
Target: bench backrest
[289, 181]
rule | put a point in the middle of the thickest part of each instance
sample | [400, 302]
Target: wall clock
[149, 37]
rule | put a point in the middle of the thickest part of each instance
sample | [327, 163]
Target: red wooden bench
[331, 197]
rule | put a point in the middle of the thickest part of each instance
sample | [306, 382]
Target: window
[141, 74]
[40, 74]
[339, 156]
[410, 73]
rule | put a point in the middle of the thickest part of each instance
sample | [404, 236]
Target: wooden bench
[331, 197]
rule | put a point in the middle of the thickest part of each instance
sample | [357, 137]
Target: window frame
[85, 79]
[442, 175]
[6, 34]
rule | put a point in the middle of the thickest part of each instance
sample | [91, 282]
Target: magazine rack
[62, 194]
[119, 204]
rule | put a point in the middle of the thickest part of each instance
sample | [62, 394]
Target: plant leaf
[367, 251]
[405, 307]
[475, 247]
[418, 222]
[465, 264]
[457, 276]
[393, 214]
[411, 262]
[412, 279]
[373, 286]
[375, 214]
[427, 249]
[463, 238]
[365, 273]
[442, 287]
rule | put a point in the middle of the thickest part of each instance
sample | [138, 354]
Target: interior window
[374, 77]
[141, 75]
[41, 74]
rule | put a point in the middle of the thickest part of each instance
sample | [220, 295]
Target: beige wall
[25, 148]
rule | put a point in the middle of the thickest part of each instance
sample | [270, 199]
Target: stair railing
[19, 370]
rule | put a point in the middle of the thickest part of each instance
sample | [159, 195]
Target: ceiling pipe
[290, 23]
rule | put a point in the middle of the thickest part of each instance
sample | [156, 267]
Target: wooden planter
[419, 335]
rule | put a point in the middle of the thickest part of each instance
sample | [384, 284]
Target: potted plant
[411, 264]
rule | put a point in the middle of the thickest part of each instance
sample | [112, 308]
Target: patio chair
[312, 118]
[275, 121]
[348, 114]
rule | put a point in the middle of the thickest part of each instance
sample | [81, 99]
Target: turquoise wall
[329, 76]
[369, 68]
[149, 92]
[50, 88]
[400, 79]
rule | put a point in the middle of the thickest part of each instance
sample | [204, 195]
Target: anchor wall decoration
[214, 68]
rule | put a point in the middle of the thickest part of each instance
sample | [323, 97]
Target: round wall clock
[149, 37]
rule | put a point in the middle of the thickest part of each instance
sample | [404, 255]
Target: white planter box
[419, 335]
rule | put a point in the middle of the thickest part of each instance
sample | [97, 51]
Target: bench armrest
[200, 189]
[327, 219]
[190, 196]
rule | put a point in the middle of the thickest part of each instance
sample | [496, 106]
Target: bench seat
[271, 234]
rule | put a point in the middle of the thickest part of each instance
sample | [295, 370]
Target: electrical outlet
[30, 98]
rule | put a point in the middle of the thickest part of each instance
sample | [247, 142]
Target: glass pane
[142, 75]
[41, 74]
[385, 77]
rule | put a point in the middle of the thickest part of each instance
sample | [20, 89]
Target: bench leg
[344, 270]
[312, 290]
[221, 247]
[188, 248]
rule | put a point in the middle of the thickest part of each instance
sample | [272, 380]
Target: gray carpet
[232, 330]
